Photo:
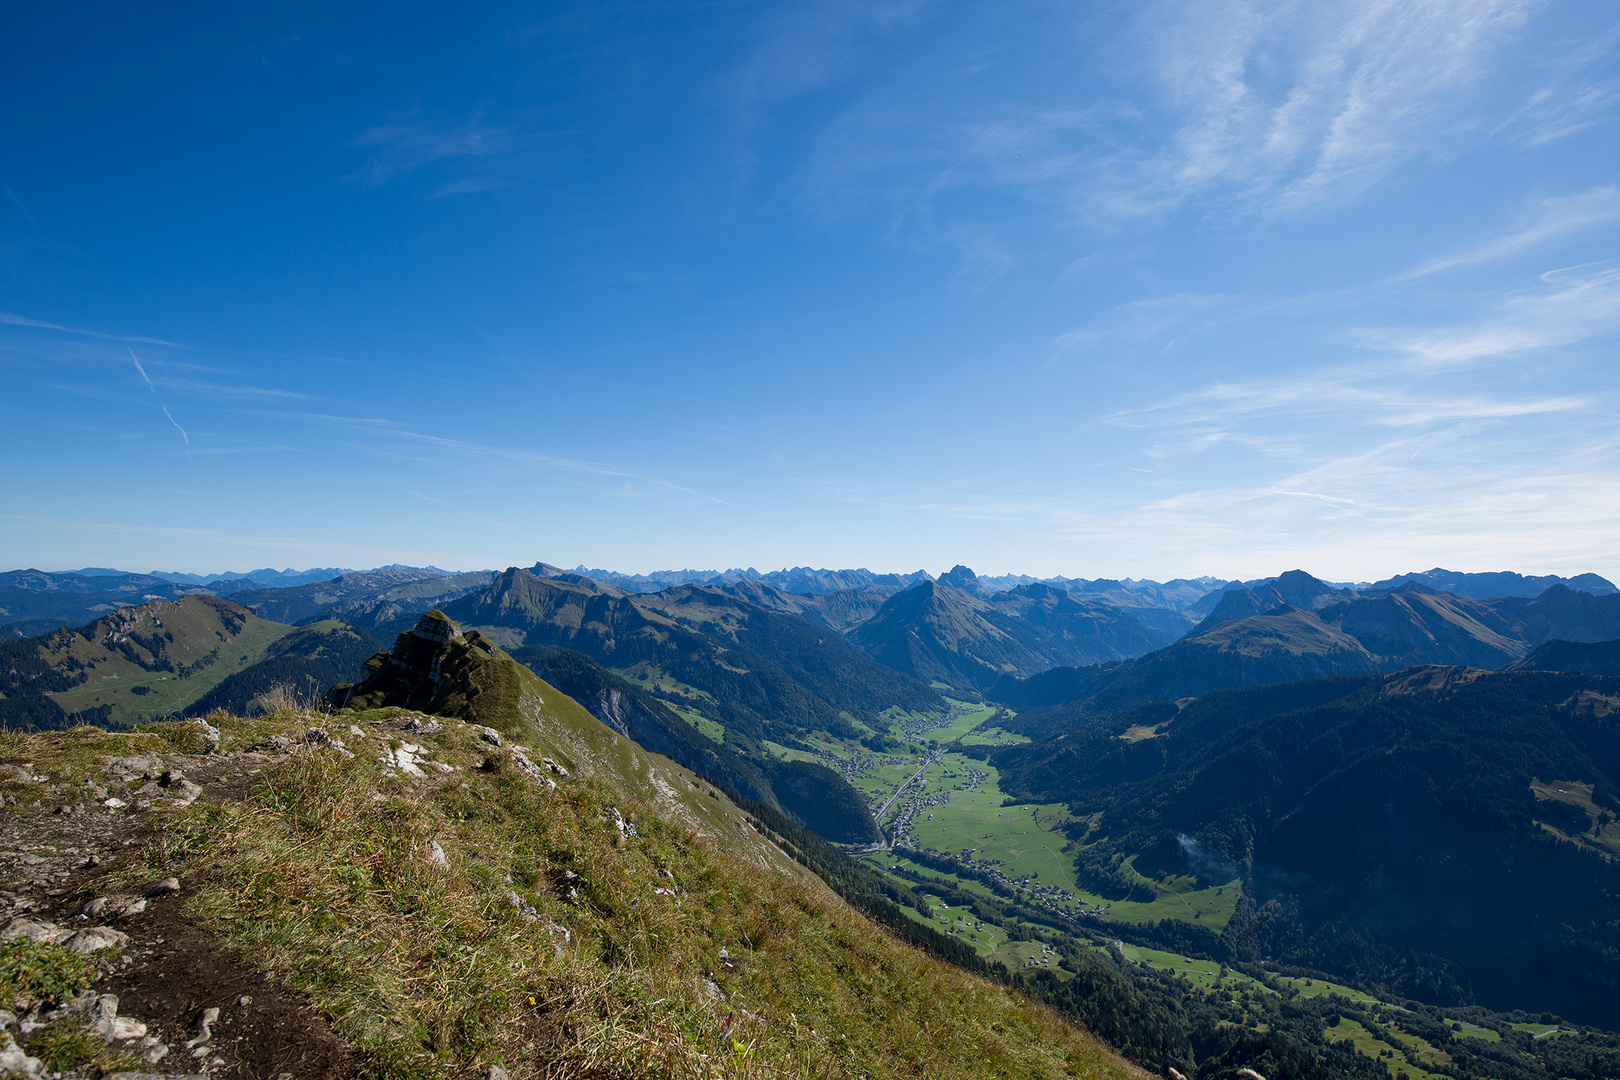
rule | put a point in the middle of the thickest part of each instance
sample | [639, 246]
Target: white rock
[34, 930]
[95, 938]
[436, 854]
[14, 1062]
[539, 777]
[211, 733]
[163, 888]
[204, 1019]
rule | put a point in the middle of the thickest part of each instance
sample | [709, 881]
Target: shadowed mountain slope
[1363, 634]
[304, 664]
[1296, 588]
[1283, 646]
[1441, 832]
[1595, 657]
[642, 718]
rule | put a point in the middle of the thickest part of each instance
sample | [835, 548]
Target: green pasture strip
[1204, 974]
[1309, 988]
[713, 729]
[1368, 1045]
[993, 737]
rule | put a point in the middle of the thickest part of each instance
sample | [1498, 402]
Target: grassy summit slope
[437, 669]
[470, 913]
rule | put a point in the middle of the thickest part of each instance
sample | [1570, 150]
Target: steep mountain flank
[1415, 625]
[139, 662]
[964, 579]
[1283, 646]
[1443, 833]
[646, 721]
[940, 634]
[1295, 588]
[1074, 630]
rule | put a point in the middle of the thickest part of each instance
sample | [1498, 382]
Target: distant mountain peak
[961, 577]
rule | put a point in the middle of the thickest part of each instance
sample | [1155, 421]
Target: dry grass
[326, 877]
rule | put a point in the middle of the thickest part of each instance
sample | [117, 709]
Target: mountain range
[1259, 635]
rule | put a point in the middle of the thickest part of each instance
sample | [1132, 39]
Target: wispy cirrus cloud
[1287, 104]
[482, 155]
[1233, 106]
[1554, 219]
[1161, 321]
[10, 319]
[402, 436]
[1573, 305]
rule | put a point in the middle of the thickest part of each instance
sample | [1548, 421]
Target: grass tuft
[32, 971]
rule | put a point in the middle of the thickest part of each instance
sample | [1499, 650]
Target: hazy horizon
[936, 573]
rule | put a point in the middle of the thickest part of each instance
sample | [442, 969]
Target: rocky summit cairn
[436, 627]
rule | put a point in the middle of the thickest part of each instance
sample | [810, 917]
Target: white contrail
[178, 428]
[142, 370]
[165, 408]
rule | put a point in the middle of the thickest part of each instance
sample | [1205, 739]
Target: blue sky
[1102, 290]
